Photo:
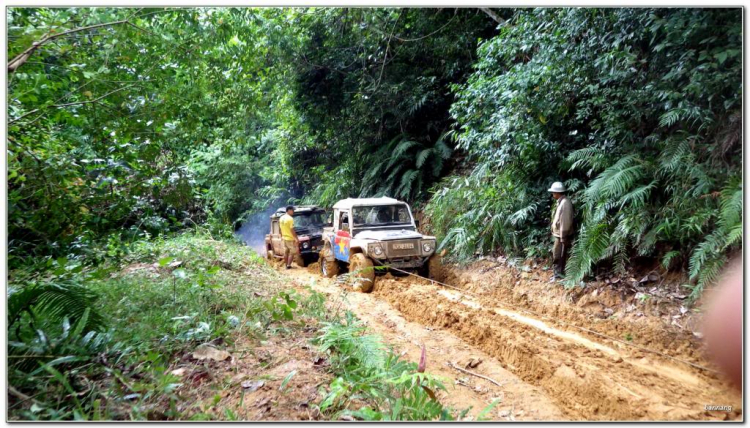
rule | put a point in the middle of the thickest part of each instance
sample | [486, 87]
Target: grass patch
[153, 308]
[115, 342]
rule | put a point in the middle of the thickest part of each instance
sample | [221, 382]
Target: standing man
[286, 223]
[562, 230]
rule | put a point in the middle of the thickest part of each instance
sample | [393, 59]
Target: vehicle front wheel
[328, 268]
[434, 268]
[362, 271]
[299, 260]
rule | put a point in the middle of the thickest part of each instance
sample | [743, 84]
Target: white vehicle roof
[358, 202]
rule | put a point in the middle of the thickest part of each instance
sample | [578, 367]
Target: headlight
[376, 250]
[427, 247]
[305, 245]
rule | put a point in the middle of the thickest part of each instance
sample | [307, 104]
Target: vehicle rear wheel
[328, 268]
[362, 271]
[271, 257]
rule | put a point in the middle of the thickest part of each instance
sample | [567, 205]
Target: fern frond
[706, 250]
[647, 244]
[55, 302]
[675, 154]
[733, 237]
[437, 165]
[637, 198]
[588, 157]
[731, 206]
[615, 181]
[521, 216]
[666, 261]
[442, 147]
[669, 118]
[595, 190]
[404, 189]
[591, 247]
[403, 147]
[709, 273]
[422, 157]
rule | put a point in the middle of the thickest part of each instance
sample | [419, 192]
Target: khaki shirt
[562, 222]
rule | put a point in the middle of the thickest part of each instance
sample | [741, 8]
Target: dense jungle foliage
[127, 124]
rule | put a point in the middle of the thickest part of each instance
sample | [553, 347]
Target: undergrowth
[101, 343]
[373, 383]
[97, 343]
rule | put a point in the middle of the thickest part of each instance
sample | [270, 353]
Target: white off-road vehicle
[370, 235]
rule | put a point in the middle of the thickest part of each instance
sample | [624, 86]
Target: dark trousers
[560, 253]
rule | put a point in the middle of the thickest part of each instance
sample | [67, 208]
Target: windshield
[311, 219]
[381, 215]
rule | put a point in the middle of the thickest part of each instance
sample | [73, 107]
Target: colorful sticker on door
[341, 245]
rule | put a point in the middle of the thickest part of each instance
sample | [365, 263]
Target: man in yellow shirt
[289, 236]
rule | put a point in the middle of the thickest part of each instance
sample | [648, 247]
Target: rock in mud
[179, 372]
[205, 352]
[252, 386]
[471, 362]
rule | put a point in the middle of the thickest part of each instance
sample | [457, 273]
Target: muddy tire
[434, 268]
[328, 268]
[271, 257]
[299, 260]
[362, 272]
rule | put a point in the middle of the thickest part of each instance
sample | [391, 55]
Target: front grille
[401, 248]
[316, 242]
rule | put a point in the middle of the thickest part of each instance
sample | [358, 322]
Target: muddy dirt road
[538, 368]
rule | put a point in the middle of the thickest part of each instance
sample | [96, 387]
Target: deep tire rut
[579, 378]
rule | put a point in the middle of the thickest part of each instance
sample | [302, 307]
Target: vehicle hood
[388, 235]
[309, 230]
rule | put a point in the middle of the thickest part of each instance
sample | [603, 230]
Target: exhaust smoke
[256, 226]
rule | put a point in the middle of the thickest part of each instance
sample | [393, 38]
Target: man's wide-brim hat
[557, 187]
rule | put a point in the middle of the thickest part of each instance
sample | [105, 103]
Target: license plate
[408, 246]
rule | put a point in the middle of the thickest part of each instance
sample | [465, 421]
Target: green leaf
[482, 416]
[721, 56]
[286, 380]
